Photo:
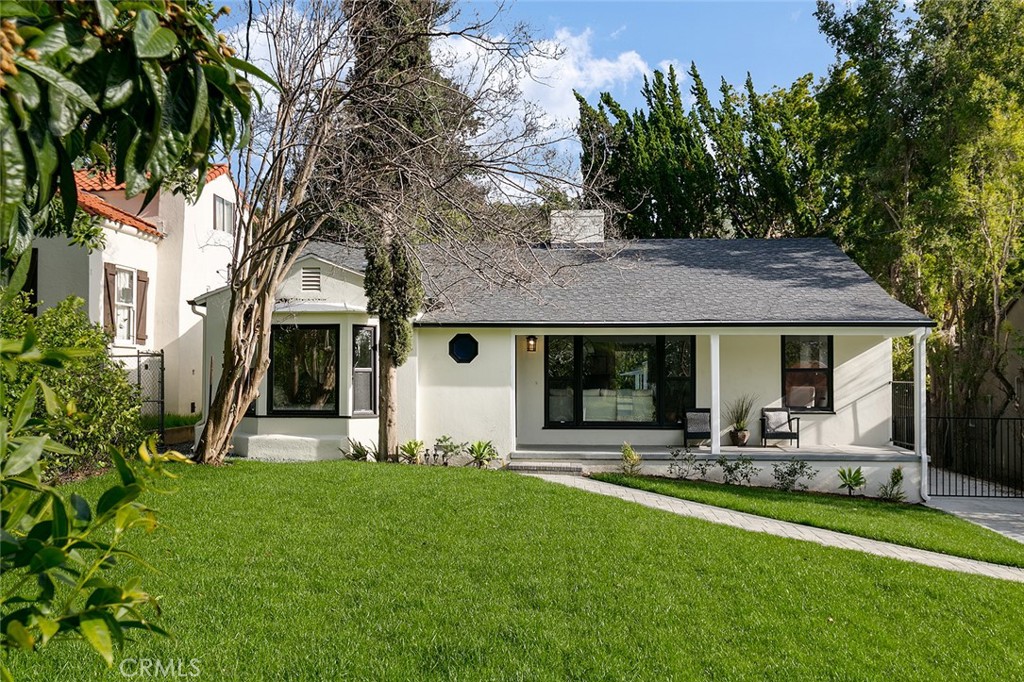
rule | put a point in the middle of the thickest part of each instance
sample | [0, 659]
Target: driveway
[1001, 514]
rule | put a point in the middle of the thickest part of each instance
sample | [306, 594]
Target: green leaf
[117, 496]
[248, 68]
[27, 403]
[47, 558]
[20, 635]
[25, 85]
[123, 469]
[61, 524]
[96, 632]
[81, 507]
[24, 456]
[13, 170]
[152, 41]
[48, 627]
[120, 83]
[106, 13]
[56, 79]
[49, 398]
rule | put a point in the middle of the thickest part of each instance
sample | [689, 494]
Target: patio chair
[778, 424]
[696, 424]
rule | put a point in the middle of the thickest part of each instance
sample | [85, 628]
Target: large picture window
[628, 381]
[364, 366]
[304, 370]
[807, 372]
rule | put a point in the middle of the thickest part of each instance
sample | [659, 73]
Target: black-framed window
[364, 369]
[620, 381]
[807, 373]
[303, 370]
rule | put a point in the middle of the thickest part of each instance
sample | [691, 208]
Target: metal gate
[145, 369]
[968, 456]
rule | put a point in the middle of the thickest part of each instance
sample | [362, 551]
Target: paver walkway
[761, 524]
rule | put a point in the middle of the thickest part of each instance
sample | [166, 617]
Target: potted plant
[737, 413]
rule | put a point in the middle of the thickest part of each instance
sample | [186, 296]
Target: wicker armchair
[696, 424]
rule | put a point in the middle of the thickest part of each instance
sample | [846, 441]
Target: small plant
[737, 412]
[789, 475]
[632, 461]
[893, 490]
[481, 452]
[411, 452]
[851, 479]
[357, 452]
[448, 449]
[737, 472]
[685, 462]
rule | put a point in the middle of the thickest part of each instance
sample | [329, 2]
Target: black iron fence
[969, 456]
[145, 369]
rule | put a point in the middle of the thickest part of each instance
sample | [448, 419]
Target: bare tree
[399, 127]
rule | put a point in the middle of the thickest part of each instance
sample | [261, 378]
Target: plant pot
[739, 438]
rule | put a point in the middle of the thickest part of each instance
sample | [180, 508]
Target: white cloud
[617, 32]
[577, 68]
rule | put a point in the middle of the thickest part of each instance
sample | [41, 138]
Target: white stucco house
[153, 260]
[616, 348]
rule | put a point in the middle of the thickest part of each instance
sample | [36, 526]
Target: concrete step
[545, 467]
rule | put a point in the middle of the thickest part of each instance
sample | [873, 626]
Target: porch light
[531, 344]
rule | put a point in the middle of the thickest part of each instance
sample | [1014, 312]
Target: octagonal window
[463, 348]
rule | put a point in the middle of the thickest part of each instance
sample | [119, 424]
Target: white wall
[472, 401]
[750, 363]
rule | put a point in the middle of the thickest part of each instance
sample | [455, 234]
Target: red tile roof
[94, 205]
[92, 181]
[217, 170]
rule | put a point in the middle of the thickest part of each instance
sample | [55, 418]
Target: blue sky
[776, 41]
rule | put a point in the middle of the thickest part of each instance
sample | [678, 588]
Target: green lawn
[340, 570]
[913, 525]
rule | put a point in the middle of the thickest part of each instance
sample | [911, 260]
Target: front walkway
[1002, 514]
[786, 529]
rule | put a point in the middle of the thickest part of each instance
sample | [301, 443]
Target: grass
[913, 525]
[348, 571]
[151, 422]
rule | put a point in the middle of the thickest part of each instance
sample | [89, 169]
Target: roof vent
[577, 227]
[311, 279]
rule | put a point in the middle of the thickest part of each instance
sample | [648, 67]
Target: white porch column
[716, 407]
[921, 406]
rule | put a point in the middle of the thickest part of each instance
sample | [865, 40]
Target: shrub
[107, 405]
[851, 479]
[481, 452]
[739, 471]
[448, 449]
[58, 552]
[411, 452]
[893, 490]
[632, 461]
[789, 475]
[685, 462]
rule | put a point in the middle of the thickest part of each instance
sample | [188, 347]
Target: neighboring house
[633, 334]
[153, 260]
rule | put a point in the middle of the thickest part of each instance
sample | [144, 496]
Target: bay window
[304, 370]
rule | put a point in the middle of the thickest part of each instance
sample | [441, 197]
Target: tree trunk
[387, 430]
[245, 365]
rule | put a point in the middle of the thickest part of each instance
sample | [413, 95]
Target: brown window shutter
[142, 279]
[109, 290]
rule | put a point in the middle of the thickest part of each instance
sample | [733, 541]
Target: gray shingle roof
[672, 281]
